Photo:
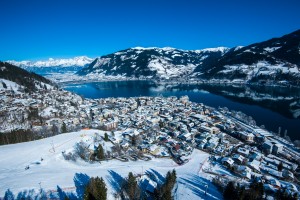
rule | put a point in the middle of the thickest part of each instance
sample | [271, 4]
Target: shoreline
[180, 82]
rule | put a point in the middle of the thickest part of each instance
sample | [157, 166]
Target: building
[277, 148]
[267, 147]
[247, 137]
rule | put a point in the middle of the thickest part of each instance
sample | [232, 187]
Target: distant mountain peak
[51, 62]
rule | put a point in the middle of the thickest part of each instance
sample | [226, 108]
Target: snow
[101, 61]
[271, 49]
[238, 48]
[47, 112]
[167, 70]
[261, 68]
[54, 171]
[217, 49]
[66, 62]
[9, 85]
[143, 48]
[248, 50]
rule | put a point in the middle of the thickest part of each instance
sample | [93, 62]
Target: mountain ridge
[272, 61]
[79, 61]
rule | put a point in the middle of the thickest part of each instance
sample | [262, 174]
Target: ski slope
[54, 171]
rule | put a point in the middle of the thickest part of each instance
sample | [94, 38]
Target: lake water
[272, 107]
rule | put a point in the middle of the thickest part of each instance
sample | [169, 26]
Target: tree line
[255, 192]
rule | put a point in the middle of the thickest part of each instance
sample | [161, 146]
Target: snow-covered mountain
[15, 78]
[76, 61]
[274, 61]
[153, 62]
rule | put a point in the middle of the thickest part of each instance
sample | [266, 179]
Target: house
[111, 125]
[288, 175]
[211, 146]
[227, 161]
[290, 187]
[238, 158]
[243, 151]
[247, 137]
[144, 148]
[243, 170]
[255, 155]
[176, 147]
[254, 165]
[277, 148]
[273, 181]
[124, 144]
[267, 147]
[130, 133]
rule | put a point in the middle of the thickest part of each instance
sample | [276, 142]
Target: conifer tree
[131, 187]
[96, 189]
[229, 192]
[100, 152]
[64, 128]
[105, 137]
[8, 195]
[174, 175]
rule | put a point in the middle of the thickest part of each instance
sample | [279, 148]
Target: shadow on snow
[198, 185]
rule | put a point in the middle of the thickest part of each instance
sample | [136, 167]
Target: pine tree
[105, 137]
[131, 187]
[63, 128]
[100, 152]
[96, 189]
[8, 195]
[230, 191]
[167, 195]
[174, 176]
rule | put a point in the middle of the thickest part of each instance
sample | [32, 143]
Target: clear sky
[39, 29]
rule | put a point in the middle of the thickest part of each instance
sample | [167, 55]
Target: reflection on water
[273, 107]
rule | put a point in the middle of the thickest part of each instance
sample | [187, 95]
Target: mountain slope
[165, 63]
[30, 81]
[274, 61]
[277, 59]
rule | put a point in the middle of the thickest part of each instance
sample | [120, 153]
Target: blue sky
[39, 29]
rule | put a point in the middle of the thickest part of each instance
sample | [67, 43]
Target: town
[142, 128]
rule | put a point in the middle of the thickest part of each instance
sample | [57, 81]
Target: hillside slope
[160, 63]
[273, 61]
[30, 81]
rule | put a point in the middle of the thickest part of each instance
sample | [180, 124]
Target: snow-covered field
[54, 171]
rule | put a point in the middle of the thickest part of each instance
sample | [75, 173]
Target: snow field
[54, 171]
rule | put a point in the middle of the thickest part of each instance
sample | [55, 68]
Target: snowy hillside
[76, 61]
[52, 170]
[152, 62]
[273, 61]
[9, 85]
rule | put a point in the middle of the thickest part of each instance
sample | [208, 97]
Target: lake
[272, 107]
